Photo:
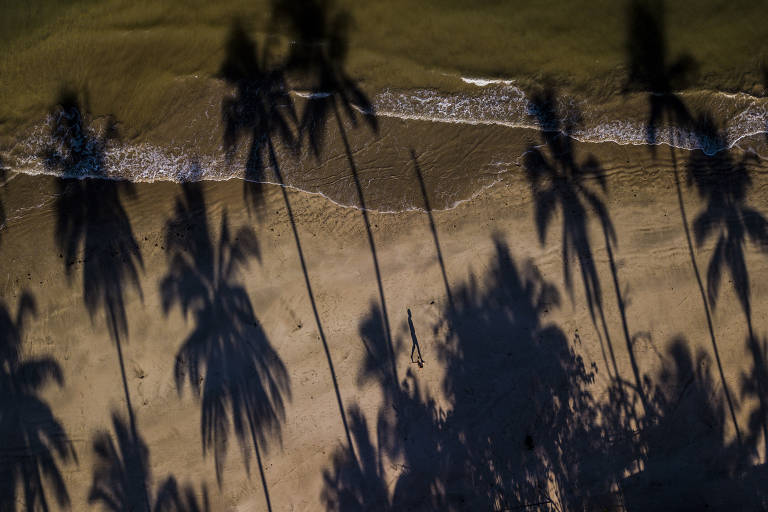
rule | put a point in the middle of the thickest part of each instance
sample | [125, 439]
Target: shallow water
[450, 85]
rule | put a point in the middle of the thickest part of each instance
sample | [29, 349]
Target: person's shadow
[415, 347]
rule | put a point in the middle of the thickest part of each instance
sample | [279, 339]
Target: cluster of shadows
[94, 234]
[521, 428]
[263, 112]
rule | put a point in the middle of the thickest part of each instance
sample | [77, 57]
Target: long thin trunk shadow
[371, 243]
[624, 323]
[129, 406]
[433, 228]
[311, 294]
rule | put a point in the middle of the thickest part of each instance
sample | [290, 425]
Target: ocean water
[453, 99]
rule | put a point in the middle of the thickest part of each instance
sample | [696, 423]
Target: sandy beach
[305, 255]
[482, 242]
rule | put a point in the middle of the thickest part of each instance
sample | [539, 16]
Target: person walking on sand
[415, 346]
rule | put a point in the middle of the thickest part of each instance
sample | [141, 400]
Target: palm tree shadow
[122, 478]
[651, 71]
[723, 181]
[261, 109]
[560, 182]
[320, 30]
[90, 215]
[34, 441]
[91, 220]
[227, 360]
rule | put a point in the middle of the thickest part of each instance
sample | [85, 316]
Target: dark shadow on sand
[320, 31]
[522, 427]
[227, 360]
[34, 442]
[122, 479]
[654, 71]
[262, 112]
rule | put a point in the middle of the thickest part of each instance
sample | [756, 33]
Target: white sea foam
[505, 104]
[482, 82]
[498, 102]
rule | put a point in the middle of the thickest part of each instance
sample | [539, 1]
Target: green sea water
[131, 56]
[155, 69]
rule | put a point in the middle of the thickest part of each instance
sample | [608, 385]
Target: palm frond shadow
[227, 360]
[122, 478]
[35, 442]
[261, 109]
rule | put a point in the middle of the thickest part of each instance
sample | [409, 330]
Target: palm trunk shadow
[129, 406]
[623, 313]
[705, 303]
[432, 228]
[311, 294]
[371, 243]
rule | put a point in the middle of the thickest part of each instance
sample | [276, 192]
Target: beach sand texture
[257, 289]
